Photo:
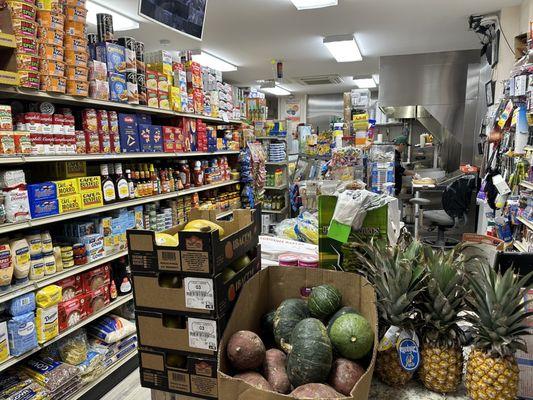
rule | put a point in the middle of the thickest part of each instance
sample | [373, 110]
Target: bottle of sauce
[131, 185]
[108, 186]
[123, 190]
[185, 174]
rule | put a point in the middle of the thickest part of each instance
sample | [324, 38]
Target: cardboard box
[89, 184]
[211, 296]
[129, 135]
[44, 208]
[196, 376]
[69, 203]
[113, 55]
[265, 291]
[67, 187]
[201, 253]
[96, 278]
[144, 138]
[92, 199]
[156, 138]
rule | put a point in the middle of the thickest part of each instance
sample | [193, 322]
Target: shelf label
[202, 334]
[199, 293]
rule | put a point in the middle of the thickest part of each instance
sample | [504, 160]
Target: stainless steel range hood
[432, 89]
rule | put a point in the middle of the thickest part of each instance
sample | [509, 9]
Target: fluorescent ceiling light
[376, 78]
[310, 4]
[209, 60]
[364, 83]
[276, 90]
[120, 21]
[343, 48]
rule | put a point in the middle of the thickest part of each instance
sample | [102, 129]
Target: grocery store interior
[266, 199]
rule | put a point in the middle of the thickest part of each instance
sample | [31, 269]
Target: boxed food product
[132, 88]
[66, 187]
[194, 75]
[91, 199]
[156, 138]
[144, 138]
[118, 90]
[163, 100]
[114, 131]
[47, 324]
[96, 278]
[70, 203]
[113, 55]
[72, 312]
[266, 290]
[97, 299]
[7, 143]
[89, 120]
[44, 208]
[151, 80]
[152, 98]
[99, 90]
[97, 70]
[70, 287]
[42, 191]
[129, 135]
[89, 183]
[169, 139]
[92, 142]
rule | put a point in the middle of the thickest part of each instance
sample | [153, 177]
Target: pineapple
[498, 316]
[397, 278]
[442, 355]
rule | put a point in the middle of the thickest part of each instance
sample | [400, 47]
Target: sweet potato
[315, 391]
[344, 375]
[274, 370]
[246, 351]
[255, 379]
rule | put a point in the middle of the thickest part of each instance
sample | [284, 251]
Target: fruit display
[305, 364]
[203, 225]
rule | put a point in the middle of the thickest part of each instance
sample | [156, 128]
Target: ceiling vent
[320, 80]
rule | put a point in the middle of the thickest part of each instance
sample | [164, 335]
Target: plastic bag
[48, 296]
[22, 304]
[22, 334]
[73, 348]
[49, 373]
[111, 328]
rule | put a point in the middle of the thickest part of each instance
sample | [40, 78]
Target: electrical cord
[506, 41]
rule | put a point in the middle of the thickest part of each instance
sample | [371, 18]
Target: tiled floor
[129, 389]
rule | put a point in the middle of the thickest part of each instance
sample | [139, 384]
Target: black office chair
[456, 200]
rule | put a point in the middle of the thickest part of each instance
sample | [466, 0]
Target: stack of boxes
[184, 296]
[114, 56]
[159, 77]
[75, 48]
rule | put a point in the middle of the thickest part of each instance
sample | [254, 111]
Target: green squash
[324, 300]
[288, 314]
[340, 313]
[352, 336]
[311, 356]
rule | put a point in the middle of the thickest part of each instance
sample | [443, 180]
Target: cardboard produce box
[190, 294]
[189, 375]
[264, 292]
[202, 253]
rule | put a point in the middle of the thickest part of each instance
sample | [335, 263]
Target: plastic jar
[50, 267]
[37, 267]
[46, 240]
[288, 260]
[308, 261]
[35, 243]
[20, 258]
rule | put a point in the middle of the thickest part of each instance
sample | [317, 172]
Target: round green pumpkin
[340, 313]
[324, 300]
[352, 336]
[311, 355]
[288, 314]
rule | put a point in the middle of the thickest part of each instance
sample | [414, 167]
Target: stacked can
[141, 72]
[23, 14]
[76, 48]
[130, 52]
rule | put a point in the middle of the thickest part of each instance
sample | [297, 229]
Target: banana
[199, 225]
[164, 239]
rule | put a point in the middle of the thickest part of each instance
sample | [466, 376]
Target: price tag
[202, 334]
[199, 293]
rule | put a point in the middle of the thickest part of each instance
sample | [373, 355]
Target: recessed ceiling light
[276, 90]
[364, 82]
[310, 4]
[209, 60]
[120, 21]
[343, 48]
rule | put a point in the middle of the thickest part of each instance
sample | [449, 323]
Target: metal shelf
[519, 246]
[30, 286]
[282, 211]
[87, 388]
[282, 138]
[527, 223]
[282, 187]
[110, 307]
[527, 185]
[110, 207]
[11, 92]
[276, 163]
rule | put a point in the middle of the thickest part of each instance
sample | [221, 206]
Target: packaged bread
[28, 62]
[50, 19]
[56, 84]
[50, 67]
[51, 52]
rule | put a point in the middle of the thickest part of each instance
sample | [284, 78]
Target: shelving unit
[519, 246]
[115, 206]
[282, 187]
[282, 211]
[526, 222]
[11, 92]
[527, 185]
[110, 307]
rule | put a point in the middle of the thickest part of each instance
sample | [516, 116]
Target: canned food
[51, 83]
[92, 38]
[50, 67]
[78, 88]
[76, 14]
[49, 5]
[139, 51]
[104, 26]
[22, 10]
[29, 79]
[26, 46]
[76, 43]
[51, 52]
[51, 20]
[51, 36]
[77, 73]
[27, 62]
[23, 27]
[75, 28]
[76, 58]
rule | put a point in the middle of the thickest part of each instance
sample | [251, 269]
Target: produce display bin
[266, 290]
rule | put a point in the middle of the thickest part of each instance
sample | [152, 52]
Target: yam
[344, 375]
[315, 391]
[246, 351]
[255, 379]
[275, 372]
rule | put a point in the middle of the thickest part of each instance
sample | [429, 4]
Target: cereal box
[113, 55]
